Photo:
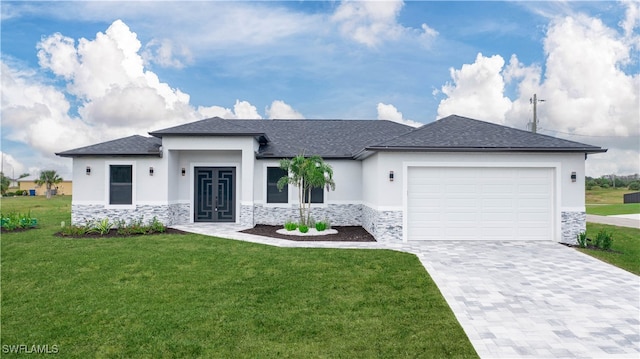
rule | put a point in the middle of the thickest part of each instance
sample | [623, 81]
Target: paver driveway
[518, 299]
[537, 299]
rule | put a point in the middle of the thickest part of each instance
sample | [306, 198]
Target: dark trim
[146, 154]
[484, 149]
[202, 134]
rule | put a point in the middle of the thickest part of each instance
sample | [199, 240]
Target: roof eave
[146, 154]
[484, 149]
[212, 134]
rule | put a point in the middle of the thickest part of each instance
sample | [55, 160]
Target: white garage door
[463, 203]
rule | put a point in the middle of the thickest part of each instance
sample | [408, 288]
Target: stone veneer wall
[336, 214]
[178, 214]
[384, 226]
[246, 216]
[167, 214]
[572, 224]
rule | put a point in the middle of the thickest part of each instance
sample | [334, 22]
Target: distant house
[453, 179]
[29, 183]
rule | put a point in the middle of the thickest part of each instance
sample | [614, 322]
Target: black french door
[215, 194]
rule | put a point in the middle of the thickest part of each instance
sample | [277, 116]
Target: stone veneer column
[246, 215]
[384, 226]
[572, 224]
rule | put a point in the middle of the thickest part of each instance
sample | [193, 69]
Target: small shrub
[14, 220]
[595, 188]
[136, 226]
[604, 239]
[321, 226]
[155, 226]
[582, 239]
[102, 227]
[303, 229]
[634, 186]
[290, 226]
[121, 227]
[74, 231]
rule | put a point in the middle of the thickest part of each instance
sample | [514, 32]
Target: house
[454, 179]
[29, 183]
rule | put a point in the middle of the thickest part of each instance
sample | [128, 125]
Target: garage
[480, 203]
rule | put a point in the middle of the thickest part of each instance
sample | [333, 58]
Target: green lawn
[197, 296]
[612, 209]
[625, 240]
[606, 195]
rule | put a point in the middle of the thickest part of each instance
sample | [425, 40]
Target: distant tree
[634, 186]
[5, 182]
[48, 178]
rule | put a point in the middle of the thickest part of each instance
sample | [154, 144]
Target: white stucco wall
[571, 194]
[192, 151]
[347, 174]
[93, 189]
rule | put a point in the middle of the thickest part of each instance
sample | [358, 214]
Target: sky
[80, 73]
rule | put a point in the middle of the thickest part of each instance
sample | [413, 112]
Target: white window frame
[107, 189]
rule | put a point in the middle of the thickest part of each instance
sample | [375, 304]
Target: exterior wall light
[573, 177]
[390, 176]
[184, 171]
[150, 171]
[88, 171]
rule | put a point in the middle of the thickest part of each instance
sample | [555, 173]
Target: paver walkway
[518, 299]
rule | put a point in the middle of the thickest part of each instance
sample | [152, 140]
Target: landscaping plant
[290, 226]
[604, 239]
[303, 228]
[306, 173]
[582, 239]
[15, 220]
[321, 226]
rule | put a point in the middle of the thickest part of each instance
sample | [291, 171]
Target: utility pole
[534, 101]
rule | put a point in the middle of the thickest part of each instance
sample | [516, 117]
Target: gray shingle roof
[346, 138]
[129, 146]
[288, 138]
[457, 133]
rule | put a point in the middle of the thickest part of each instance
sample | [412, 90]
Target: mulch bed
[592, 248]
[113, 233]
[345, 234]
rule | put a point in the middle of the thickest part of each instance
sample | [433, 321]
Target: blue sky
[77, 73]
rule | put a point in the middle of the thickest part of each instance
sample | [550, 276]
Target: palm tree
[48, 178]
[306, 174]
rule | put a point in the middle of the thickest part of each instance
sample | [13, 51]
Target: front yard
[197, 296]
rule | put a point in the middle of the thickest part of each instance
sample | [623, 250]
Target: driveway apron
[517, 299]
[536, 299]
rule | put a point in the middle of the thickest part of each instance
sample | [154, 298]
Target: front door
[215, 194]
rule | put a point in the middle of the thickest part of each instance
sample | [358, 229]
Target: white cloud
[391, 113]
[372, 22]
[166, 54]
[12, 167]
[477, 91]
[588, 96]
[117, 96]
[631, 20]
[242, 110]
[282, 111]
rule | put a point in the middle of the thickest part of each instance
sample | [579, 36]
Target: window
[317, 195]
[120, 184]
[274, 195]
